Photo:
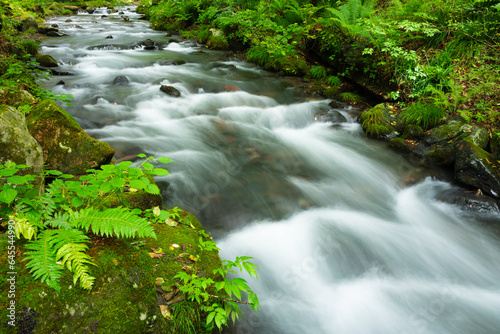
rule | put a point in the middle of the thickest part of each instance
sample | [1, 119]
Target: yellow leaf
[165, 312]
[156, 211]
[115, 261]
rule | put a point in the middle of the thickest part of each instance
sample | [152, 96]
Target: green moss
[217, 42]
[66, 147]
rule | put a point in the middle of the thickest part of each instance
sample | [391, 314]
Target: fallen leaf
[175, 245]
[156, 255]
[115, 261]
[156, 211]
[171, 248]
[171, 222]
[165, 312]
[157, 250]
[159, 281]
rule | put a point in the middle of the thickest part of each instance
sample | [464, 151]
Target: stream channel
[349, 237]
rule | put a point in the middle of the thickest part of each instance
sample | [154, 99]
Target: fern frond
[116, 221]
[60, 220]
[42, 259]
[72, 253]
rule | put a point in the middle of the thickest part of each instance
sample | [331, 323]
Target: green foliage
[56, 220]
[219, 299]
[317, 72]
[425, 115]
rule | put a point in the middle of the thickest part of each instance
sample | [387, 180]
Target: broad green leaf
[8, 195]
[117, 182]
[105, 187]
[164, 160]
[160, 171]
[147, 166]
[153, 189]
[76, 202]
[16, 179]
[137, 184]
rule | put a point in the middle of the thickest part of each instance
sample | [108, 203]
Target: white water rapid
[345, 242]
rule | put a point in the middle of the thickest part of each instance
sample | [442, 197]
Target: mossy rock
[295, 65]
[379, 122]
[66, 147]
[412, 131]
[402, 145]
[17, 97]
[16, 143]
[46, 61]
[217, 42]
[124, 298]
[477, 168]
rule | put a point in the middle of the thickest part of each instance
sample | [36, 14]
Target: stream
[349, 237]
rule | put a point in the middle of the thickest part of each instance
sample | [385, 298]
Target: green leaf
[119, 222]
[210, 317]
[17, 180]
[141, 155]
[105, 187]
[117, 182]
[160, 171]
[42, 260]
[147, 166]
[125, 165]
[164, 160]
[137, 184]
[8, 195]
[153, 189]
[76, 202]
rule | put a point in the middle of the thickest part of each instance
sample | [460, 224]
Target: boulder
[66, 147]
[170, 90]
[54, 34]
[73, 9]
[120, 80]
[28, 23]
[17, 97]
[46, 61]
[477, 168]
[149, 44]
[46, 30]
[438, 148]
[16, 143]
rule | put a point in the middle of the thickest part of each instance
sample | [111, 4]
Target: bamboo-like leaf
[116, 221]
[42, 259]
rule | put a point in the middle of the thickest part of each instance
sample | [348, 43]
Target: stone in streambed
[46, 61]
[170, 90]
[120, 80]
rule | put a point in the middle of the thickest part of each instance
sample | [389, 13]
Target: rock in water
[120, 81]
[170, 90]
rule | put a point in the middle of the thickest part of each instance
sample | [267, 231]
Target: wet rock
[171, 62]
[109, 47]
[477, 168]
[16, 143]
[78, 27]
[402, 145]
[55, 25]
[331, 115]
[413, 131]
[68, 20]
[46, 61]
[54, 34]
[66, 147]
[199, 52]
[120, 80]
[170, 90]
[46, 30]
[121, 13]
[335, 104]
[60, 73]
[104, 16]
[439, 146]
[109, 37]
[126, 19]
[231, 88]
[90, 10]
[471, 201]
[60, 82]
[222, 66]
[149, 44]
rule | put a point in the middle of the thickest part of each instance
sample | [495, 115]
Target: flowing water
[346, 240]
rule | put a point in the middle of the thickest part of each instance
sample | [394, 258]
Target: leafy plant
[425, 115]
[56, 221]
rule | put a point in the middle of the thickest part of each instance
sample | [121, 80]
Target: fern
[118, 221]
[71, 251]
[42, 259]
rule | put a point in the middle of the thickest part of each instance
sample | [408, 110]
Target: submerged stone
[170, 90]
